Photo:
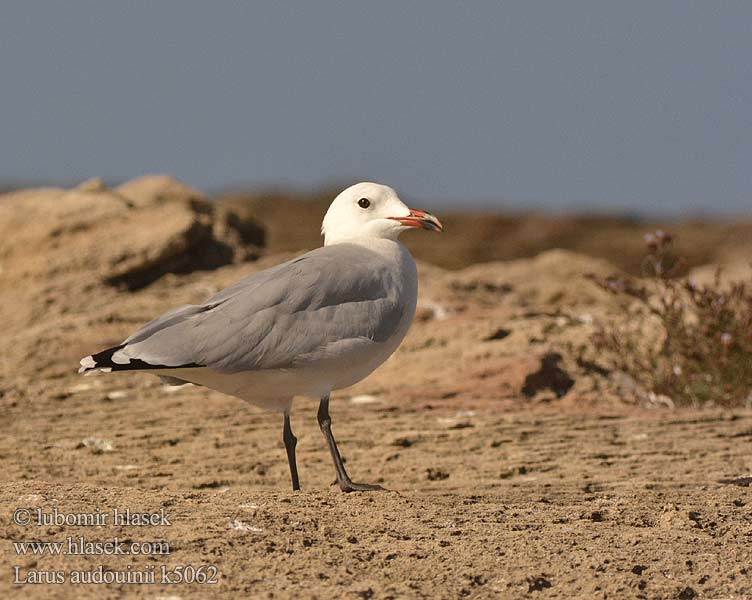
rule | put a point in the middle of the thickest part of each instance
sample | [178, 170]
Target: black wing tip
[103, 361]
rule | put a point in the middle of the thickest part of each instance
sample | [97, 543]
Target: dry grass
[702, 353]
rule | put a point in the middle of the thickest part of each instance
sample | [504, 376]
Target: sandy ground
[519, 465]
[484, 503]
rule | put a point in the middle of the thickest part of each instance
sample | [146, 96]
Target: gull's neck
[342, 236]
[383, 245]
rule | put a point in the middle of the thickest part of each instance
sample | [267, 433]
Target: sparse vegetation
[702, 353]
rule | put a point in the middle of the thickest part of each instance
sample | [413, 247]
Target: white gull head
[371, 211]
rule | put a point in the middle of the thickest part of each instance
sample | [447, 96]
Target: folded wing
[292, 314]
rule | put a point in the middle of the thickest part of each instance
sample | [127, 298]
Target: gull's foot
[351, 486]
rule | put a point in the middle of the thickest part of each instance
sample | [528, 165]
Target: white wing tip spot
[87, 363]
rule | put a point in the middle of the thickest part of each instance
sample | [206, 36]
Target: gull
[318, 323]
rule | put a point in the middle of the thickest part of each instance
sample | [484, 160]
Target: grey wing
[164, 321]
[294, 313]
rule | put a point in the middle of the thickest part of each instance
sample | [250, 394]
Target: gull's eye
[364, 203]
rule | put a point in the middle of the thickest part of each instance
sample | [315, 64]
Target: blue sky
[640, 107]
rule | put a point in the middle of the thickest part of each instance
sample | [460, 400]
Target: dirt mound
[63, 251]
[130, 235]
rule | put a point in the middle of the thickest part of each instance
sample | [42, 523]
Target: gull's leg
[343, 479]
[290, 443]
